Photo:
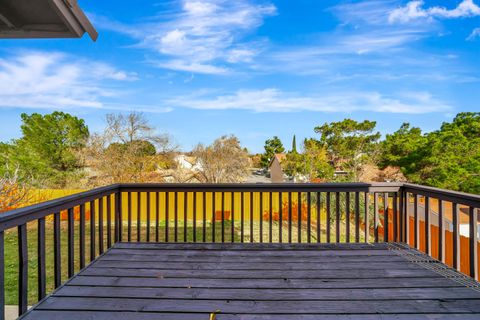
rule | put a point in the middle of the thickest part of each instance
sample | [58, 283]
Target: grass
[11, 246]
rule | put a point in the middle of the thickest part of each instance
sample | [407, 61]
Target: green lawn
[11, 246]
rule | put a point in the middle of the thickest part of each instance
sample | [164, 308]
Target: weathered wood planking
[259, 282]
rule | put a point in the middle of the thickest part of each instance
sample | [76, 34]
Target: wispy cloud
[474, 35]
[274, 100]
[414, 10]
[202, 36]
[57, 81]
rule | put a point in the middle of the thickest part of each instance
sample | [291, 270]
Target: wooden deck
[262, 281]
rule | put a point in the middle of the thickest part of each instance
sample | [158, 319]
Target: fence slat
[22, 269]
[42, 274]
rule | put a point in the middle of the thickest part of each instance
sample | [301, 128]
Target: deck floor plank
[149, 281]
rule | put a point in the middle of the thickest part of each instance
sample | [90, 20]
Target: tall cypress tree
[294, 144]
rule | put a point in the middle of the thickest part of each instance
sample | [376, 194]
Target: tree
[224, 161]
[129, 151]
[48, 149]
[447, 158]
[294, 144]
[350, 144]
[312, 162]
[13, 192]
[272, 147]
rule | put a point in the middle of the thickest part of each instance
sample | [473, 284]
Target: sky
[199, 69]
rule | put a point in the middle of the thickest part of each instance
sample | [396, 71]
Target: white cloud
[414, 10]
[274, 100]
[203, 37]
[56, 81]
[475, 34]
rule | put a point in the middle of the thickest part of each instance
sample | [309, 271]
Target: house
[275, 167]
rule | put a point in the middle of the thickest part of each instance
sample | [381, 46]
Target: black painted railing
[84, 225]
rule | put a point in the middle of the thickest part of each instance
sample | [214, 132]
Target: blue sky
[201, 69]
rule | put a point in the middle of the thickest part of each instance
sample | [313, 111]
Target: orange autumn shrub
[285, 212]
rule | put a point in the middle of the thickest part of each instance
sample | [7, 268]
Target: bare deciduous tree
[12, 192]
[224, 161]
[129, 151]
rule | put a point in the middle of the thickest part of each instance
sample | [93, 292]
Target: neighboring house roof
[43, 19]
[279, 156]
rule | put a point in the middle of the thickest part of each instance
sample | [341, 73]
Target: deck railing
[85, 224]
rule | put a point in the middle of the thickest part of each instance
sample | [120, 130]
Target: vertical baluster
[118, 214]
[175, 212]
[251, 216]
[148, 195]
[367, 217]
[270, 217]
[328, 217]
[2, 275]
[42, 275]
[194, 216]
[157, 218]
[415, 223]
[100, 225]
[319, 231]
[401, 211]
[223, 215]
[427, 226]
[280, 217]
[22, 269]
[204, 226]
[299, 217]
[167, 216]
[456, 237]
[242, 216]
[82, 236]
[185, 216]
[385, 218]
[395, 217]
[232, 210]
[109, 221]
[139, 215]
[357, 217]
[473, 242]
[347, 217]
[289, 217]
[407, 217]
[260, 217]
[213, 215]
[441, 232]
[375, 216]
[57, 262]
[309, 217]
[337, 217]
[71, 230]
[92, 231]
[129, 216]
